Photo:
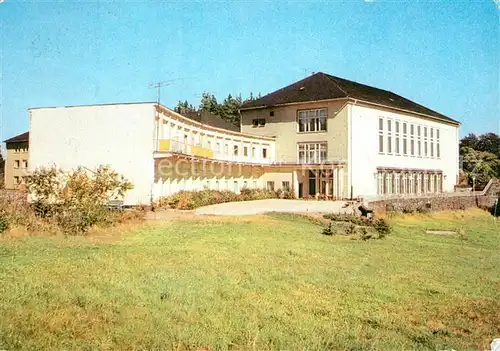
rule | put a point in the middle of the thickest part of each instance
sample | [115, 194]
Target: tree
[2, 170]
[184, 107]
[488, 142]
[479, 166]
[209, 103]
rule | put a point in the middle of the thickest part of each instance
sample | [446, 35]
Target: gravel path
[273, 205]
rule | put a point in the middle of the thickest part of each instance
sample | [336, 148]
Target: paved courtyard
[273, 205]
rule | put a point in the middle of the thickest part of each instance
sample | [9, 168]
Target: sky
[441, 54]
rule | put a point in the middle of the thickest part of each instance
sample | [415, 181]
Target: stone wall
[435, 203]
[13, 195]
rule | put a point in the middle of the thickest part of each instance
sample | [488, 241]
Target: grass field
[261, 282]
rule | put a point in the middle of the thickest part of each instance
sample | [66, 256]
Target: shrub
[462, 234]
[76, 200]
[4, 222]
[382, 227]
[328, 230]
[189, 200]
[350, 230]
[365, 234]
[349, 218]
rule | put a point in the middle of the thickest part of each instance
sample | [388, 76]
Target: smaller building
[16, 163]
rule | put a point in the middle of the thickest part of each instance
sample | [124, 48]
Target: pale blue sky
[442, 54]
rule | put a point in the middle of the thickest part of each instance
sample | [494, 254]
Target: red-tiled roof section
[19, 138]
[322, 86]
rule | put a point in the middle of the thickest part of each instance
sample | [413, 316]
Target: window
[16, 163]
[235, 186]
[412, 140]
[419, 142]
[270, 186]
[25, 163]
[438, 151]
[405, 139]
[217, 146]
[245, 151]
[285, 186]
[271, 113]
[254, 184]
[217, 185]
[312, 120]
[253, 152]
[235, 150]
[245, 184]
[396, 140]
[312, 153]
[380, 135]
[264, 152]
[209, 145]
[425, 142]
[16, 180]
[432, 141]
[226, 149]
[258, 122]
[389, 136]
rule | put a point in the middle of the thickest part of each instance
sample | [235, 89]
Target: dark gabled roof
[19, 138]
[321, 86]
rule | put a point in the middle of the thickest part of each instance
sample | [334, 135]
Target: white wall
[121, 136]
[364, 157]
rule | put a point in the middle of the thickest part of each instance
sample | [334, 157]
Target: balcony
[169, 145]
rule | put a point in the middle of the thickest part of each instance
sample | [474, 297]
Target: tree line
[228, 109]
[480, 158]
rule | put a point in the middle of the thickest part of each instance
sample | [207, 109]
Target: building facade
[16, 162]
[387, 145]
[320, 137]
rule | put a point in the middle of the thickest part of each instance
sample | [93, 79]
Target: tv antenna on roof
[159, 85]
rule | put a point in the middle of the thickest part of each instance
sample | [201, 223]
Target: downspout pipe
[355, 101]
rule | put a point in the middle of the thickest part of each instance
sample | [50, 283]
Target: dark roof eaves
[20, 138]
[446, 120]
[292, 103]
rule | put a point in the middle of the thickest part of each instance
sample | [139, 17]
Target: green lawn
[262, 282]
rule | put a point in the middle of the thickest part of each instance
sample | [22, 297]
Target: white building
[322, 136]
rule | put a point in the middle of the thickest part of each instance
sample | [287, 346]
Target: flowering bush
[76, 200]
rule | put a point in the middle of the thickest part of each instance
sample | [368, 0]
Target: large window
[396, 140]
[438, 151]
[412, 140]
[389, 136]
[432, 141]
[405, 139]
[312, 153]
[312, 120]
[425, 142]
[403, 182]
[380, 135]
[419, 141]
